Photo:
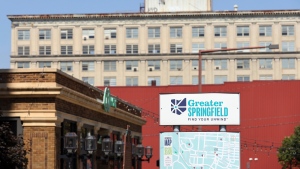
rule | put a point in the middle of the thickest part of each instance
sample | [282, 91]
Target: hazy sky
[13, 7]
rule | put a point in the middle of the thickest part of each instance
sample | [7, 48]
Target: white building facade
[132, 49]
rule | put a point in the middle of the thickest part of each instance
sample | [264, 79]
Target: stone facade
[102, 46]
[50, 103]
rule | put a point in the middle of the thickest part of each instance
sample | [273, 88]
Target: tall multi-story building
[132, 49]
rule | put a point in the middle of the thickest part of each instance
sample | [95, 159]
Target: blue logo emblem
[178, 106]
[168, 141]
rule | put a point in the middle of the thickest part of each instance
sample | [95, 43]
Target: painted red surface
[269, 111]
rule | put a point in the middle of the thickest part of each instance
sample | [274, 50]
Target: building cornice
[152, 15]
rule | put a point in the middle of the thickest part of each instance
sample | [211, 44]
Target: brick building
[44, 104]
[269, 111]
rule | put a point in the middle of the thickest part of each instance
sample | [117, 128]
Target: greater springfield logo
[196, 108]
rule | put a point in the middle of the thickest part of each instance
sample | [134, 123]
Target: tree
[289, 152]
[12, 151]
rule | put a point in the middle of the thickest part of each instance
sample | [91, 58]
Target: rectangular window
[243, 64]
[287, 30]
[154, 32]
[242, 31]
[220, 64]
[265, 77]
[220, 45]
[132, 33]
[243, 78]
[153, 65]
[21, 65]
[88, 34]
[176, 80]
[264, 44]
[288, 77]
[110, 66]
[66, 34]
[195, 80]
[288, 63]
[66, 66]
[265, 30]
[131, 49]
[154, 48]
[154, 78]
[44, 64]
[242, 45]
[45, 50]
[110, 81]
[66, 50]
[220, 79]
[110, 49]
[288, 46]
[265, 64]
[176, 65]
[175, 48]
[23, 50]
[88, 50]
[23, 34]
[110, 33]
[132, 65]
[89, 80]
[175, 32]
[44, 34]
[220, 31]
[197, 46]
[195, 64]
[198, 32]
[132, 81]
[88, 66]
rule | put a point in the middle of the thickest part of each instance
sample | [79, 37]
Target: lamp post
[274, 46]
[71, 145]
[139, 151]
[107, 148]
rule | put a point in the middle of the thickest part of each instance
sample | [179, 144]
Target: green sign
[108, 100]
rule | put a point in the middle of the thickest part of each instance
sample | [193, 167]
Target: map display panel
[199, 150]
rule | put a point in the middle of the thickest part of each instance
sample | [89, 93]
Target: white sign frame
[199, 109]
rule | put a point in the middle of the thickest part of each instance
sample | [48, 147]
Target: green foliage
[12, 152]
[289, 152]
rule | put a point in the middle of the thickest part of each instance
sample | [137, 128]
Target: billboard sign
[199, 150]
[199, 109]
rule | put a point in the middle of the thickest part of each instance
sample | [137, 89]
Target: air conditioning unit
[134, 69]
[217, 67]
[151, 68]
[240, 67]
[195, 67]
[262, 67]
[179, 69]
[106, 37]
[85, 37]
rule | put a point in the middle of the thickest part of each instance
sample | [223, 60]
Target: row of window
[152, 48]
[154, 32]
[153, 65]
[178, 80]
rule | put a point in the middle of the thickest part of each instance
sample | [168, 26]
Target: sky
[17, 7]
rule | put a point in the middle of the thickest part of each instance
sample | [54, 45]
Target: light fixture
[139, 152]
[90, 143]
[70, 142]
[148, 152]
[119, 148]
[107, 146]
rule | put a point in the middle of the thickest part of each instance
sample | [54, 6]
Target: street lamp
[274, 46]
[71, 145]
[107, 146]
[139, 151]
[90, 144]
